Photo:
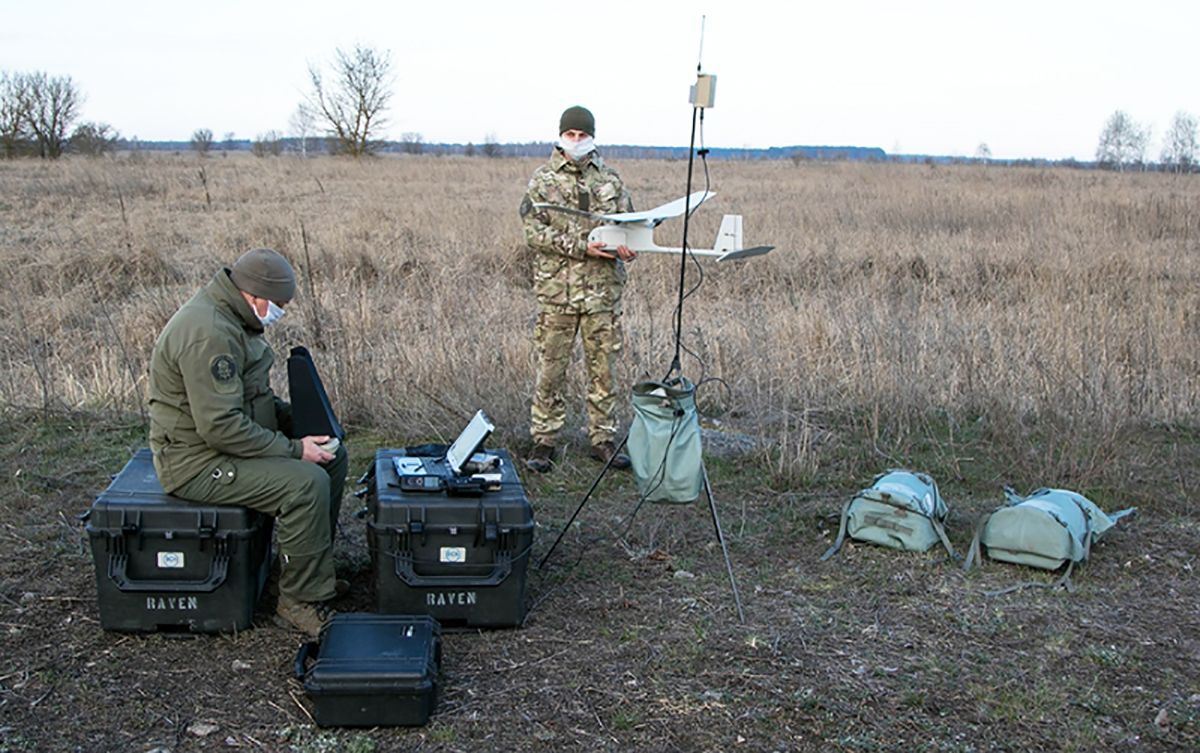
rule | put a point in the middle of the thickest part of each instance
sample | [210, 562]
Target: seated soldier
[220, 435]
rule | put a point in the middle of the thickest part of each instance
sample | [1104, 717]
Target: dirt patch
[633, 643]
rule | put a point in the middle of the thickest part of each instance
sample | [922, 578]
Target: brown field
[989, 325]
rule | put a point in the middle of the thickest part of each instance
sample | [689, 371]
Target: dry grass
[1032, 302]
[983, 324]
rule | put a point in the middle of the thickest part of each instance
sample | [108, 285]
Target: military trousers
[304, 498]
[554, 341]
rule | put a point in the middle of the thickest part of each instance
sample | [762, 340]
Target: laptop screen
[469, 441]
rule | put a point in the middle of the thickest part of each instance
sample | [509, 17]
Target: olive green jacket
[565, 278]
[210, 390]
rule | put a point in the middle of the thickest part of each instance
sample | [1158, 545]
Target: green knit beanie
[264, 273]
[578, 119]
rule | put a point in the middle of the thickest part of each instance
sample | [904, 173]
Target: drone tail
[729, 236]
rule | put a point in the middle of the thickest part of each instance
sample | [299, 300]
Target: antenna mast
[702, 96]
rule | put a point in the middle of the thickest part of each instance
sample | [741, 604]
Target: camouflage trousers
[554, 339]
[304, 498]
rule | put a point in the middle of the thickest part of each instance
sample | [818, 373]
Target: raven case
[461, 559]
[163, 563]
[372, 670]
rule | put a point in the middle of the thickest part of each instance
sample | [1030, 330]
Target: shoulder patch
[224, 368]
[526, 206]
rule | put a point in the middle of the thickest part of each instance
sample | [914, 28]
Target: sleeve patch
[526, 206]
[224, 369]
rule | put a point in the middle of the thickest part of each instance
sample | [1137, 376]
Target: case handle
[217, 570]
[303, 654]
[405, 571]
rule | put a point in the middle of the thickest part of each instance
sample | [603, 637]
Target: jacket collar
[227, 296]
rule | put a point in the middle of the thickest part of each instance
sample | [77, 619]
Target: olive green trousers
[304, 498]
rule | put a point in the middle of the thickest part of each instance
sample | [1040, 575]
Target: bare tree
[1179, 145]
[983, 152]
[13, 101]
[491, 146]
[94, 139]
[351, 102]
[412, 143]
[52, 105]
[302, 125]
[1122, 142]
[202, 139]
[269, 144]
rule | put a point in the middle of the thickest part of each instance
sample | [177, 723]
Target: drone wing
[653, 217]
[649, 217]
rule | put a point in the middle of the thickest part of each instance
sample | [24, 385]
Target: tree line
[38, 114]
[345, 110]
[1124, 143]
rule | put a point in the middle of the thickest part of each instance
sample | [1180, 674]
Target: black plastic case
[461, 559]
[372, 670]
[163, 563]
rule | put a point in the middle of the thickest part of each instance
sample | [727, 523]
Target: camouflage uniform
[575, 292]
[220, 435]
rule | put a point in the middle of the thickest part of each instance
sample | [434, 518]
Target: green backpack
[1048, 529]
[900, 509]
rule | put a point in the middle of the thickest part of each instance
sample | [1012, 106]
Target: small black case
[372, 670]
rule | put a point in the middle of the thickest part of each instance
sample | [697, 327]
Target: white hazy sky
[1030, 78]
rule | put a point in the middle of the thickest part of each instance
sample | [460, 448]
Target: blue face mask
[273, 314]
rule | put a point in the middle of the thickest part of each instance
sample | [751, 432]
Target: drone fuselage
[639, 237]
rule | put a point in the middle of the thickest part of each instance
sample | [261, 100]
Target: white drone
[636, 229]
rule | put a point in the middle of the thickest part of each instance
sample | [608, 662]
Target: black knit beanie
[577, 118]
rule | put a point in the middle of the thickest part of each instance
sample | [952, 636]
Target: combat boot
[306, 616]
[541, 460]
[606, 450]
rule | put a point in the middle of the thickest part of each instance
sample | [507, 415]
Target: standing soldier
[578, 287]
[219, 434]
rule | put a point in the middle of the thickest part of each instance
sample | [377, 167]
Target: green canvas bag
[1047, 529]
[900, 509]
[664, 442]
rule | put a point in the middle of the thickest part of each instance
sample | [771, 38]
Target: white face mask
[273, 314]
[577, 150]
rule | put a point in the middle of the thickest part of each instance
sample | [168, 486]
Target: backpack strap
[1115, 516]
[937, 524]
[973, 551]
[1065, 581]
[941, 532]
[841, 537]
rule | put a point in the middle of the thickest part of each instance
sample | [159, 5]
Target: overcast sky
[1030, 78]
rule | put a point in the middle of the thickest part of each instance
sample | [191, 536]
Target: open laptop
[468, 442]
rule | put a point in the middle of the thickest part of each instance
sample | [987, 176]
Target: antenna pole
[676, 366]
